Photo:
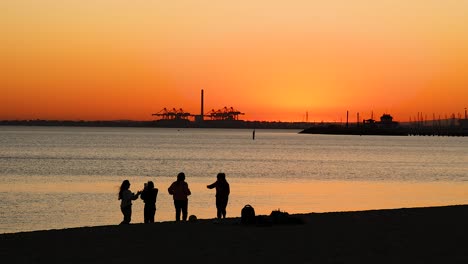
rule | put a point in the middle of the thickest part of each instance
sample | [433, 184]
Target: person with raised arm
[222, 194]
[126, 196]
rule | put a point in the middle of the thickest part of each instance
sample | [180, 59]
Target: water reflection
[70, 203]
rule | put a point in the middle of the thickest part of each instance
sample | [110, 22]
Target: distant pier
[440, 131]
[387, 127]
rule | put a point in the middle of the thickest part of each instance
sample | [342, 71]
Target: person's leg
[127, 213]
[147, 214]
[221, 205]
[223, 208]
[152, 213]
[184, 207]
[178, 208]
[218, 208]
[123, 213]
[223, 213]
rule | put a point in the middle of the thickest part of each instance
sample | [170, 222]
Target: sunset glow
[272, 60]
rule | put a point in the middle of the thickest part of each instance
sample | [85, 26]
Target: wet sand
[406, 235]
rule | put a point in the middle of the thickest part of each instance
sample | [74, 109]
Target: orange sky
[272, 60]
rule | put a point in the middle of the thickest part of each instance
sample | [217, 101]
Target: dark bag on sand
[248, 215]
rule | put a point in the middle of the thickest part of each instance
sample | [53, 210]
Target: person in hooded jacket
[180, 192]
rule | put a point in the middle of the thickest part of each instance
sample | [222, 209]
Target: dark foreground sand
[408, 235]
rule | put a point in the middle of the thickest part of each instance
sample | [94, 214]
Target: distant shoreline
[304, 127]
[406, 235]
[162, 123]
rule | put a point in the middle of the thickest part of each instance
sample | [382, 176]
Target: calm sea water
[61, 177]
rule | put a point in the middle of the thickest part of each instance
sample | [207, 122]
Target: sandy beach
[405, 235]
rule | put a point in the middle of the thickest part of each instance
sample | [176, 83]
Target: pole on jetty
[202, 103]
[347, 116]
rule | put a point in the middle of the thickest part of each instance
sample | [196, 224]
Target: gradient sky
[272, 60]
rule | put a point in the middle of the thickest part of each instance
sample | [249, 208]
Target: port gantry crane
[224, 114]
[174, 114]
[179, 114]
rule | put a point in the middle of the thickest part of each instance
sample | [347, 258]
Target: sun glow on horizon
[108, 60]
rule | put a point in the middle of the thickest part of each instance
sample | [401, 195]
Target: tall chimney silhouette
[201, 113]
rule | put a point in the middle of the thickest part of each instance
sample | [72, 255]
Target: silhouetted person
[180, 192]
[149, 196]
[222, 194]
[126, 197]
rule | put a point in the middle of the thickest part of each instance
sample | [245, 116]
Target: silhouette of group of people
[179, 190]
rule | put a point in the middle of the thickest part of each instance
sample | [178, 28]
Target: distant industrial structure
[224, 114]
[173, 114]
[179, 116]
